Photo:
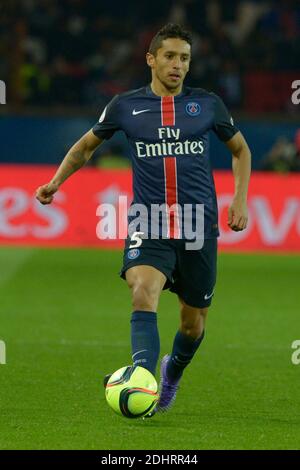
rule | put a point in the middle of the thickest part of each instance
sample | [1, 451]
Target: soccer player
[167, 125]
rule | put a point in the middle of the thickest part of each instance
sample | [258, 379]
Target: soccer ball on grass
[132, 392]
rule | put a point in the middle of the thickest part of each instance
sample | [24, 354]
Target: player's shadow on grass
[256, 419]
[152, 423]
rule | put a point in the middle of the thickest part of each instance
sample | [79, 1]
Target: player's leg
[146, 284]
[194, 285]
[195, 288]
[147, 270]
[185, 345]
[187, 339]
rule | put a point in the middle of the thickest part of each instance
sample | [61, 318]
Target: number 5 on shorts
[136, 239]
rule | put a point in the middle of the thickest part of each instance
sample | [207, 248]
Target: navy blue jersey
[169, 148]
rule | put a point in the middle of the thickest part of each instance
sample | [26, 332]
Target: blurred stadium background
[62, 61]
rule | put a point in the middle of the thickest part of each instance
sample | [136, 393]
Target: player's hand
[45, 193]
[238, 215]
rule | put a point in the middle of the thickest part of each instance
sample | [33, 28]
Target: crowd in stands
[284, 156]
[82, 52]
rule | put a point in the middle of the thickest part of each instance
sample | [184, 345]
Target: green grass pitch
[64, 316]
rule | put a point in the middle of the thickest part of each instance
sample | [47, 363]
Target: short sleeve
[223, 123]
[108, 121]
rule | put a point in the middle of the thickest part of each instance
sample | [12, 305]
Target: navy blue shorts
[191, 274]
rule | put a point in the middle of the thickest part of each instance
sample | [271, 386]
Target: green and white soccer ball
[132, 392]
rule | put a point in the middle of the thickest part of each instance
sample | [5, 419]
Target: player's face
[171, 63]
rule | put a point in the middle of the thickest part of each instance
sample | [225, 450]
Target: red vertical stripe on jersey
[168, 119]
[167, 111]
[171, 196]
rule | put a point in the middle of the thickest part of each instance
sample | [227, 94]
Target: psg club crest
[193, 109]
[132, 254]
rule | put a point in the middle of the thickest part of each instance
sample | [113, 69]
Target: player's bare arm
[78, 155]
[241, 166]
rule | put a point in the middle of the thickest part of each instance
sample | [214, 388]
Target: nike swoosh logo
[134, 112]
[206, 297]
[142, 350]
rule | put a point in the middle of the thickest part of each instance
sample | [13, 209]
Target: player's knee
[193, 321]
[145, 296]
[194, 330]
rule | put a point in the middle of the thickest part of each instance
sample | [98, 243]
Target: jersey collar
[150, 92]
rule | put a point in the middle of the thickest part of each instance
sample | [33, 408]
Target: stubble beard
[170, 86]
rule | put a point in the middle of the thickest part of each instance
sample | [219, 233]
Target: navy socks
[145, 340]
[146, 347]
[184, 348]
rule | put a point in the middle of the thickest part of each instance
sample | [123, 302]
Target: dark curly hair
[170, 30]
